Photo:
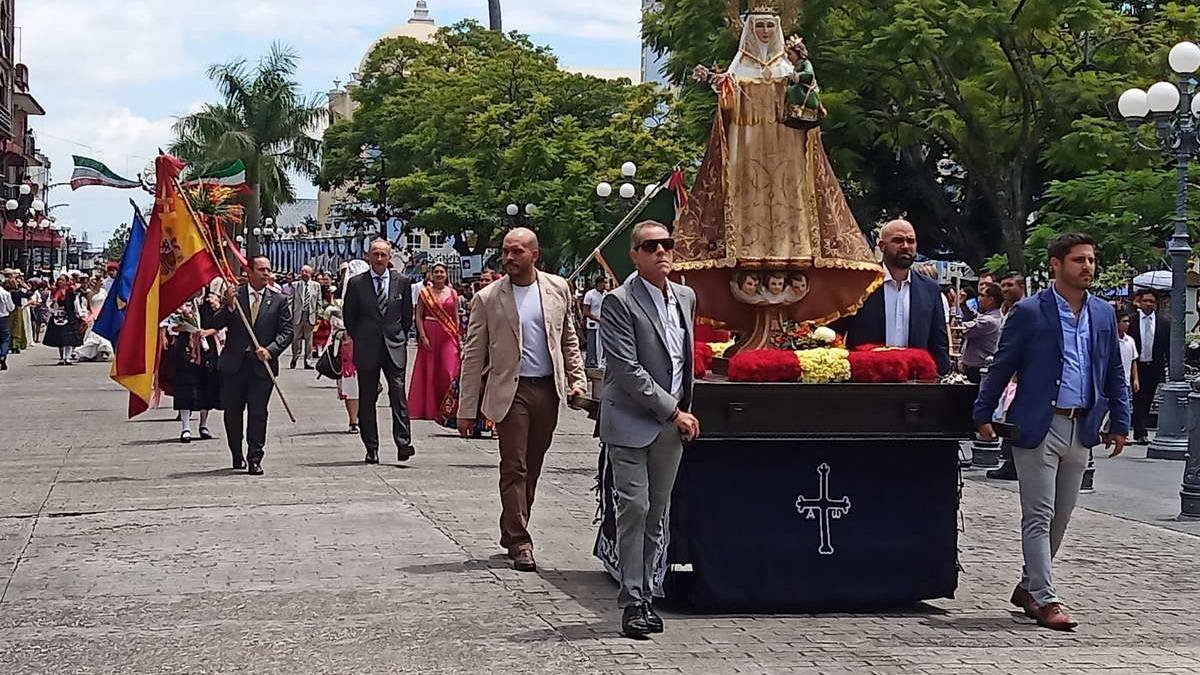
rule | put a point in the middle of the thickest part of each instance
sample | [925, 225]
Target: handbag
[329, 363]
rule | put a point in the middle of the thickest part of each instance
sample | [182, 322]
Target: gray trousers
[302, 339]
[1049, 476]
[595, 348]
[642, 480]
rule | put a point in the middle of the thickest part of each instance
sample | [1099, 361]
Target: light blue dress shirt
[1075, 386]
[897, 303]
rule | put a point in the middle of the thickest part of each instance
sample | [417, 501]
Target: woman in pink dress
[437, 363]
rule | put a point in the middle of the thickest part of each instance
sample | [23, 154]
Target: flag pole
[240, 310]
[633, 213]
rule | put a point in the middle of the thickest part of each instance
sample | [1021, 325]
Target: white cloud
[112, 74]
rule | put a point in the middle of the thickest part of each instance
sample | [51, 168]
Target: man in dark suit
[378, 312]
[907, 310]
[1152, 335]
[245, 383]
[1062, 346]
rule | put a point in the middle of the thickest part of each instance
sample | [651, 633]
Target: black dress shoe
[633, 622]
[1007, 471]
[372, 457]
[239, 462]
[405, 453]
[205, 434]
[653, 620]
[255, 469]
[185, 437]
[294, 360]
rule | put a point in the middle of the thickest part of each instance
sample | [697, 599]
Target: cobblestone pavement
[123, 551]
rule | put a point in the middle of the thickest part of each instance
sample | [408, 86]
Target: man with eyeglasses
[907, 310]
[646, 327]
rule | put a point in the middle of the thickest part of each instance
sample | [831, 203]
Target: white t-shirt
[535, 351]
[594, 299]
[1129, 354]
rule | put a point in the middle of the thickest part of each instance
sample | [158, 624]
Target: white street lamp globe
[650, 189]
[11, 205]
[531, 210]
[1163, 97]
[269, 222]
[1133, 104]
[25, 188]
[1184, 57]
[38, 205]
[604, 190]
[512, 209]
[258, 231]
[627, 190]
[629, 169]
[1196, 106]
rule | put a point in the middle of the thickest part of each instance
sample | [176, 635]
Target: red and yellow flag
[175, 262]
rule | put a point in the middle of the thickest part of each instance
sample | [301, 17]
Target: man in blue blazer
[1062, 346]
[907, 310]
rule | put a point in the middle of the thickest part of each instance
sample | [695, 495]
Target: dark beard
[901, 263]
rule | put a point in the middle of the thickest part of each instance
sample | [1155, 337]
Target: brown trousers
[525, 435]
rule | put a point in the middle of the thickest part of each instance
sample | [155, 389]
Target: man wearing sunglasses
[646, 330]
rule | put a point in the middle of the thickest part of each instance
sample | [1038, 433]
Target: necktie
[1147, 339]
[254, 305]
[380, 295]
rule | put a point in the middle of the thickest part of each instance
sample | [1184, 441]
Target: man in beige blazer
[522, 337]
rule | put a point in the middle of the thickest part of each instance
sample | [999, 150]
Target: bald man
[907, 310]
[522, 335]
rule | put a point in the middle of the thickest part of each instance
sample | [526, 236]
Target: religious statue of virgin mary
[767, 234]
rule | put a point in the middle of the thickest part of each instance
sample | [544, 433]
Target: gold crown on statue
[794, 41]
[764, 8]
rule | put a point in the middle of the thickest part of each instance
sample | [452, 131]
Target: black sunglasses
[651, 245]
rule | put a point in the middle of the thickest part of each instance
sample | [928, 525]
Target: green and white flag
[232, 176]
[90, 172]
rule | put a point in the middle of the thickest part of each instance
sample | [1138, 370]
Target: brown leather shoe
[1021, 598]
[1052, 615]
[524, 561]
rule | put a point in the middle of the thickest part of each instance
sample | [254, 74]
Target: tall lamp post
[1173, 111]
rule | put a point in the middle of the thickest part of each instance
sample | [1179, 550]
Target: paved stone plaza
[123, 551]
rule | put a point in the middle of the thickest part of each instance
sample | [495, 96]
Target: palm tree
[494, 16]
[265, 121]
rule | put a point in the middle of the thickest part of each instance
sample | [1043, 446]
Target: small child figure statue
[804, 109]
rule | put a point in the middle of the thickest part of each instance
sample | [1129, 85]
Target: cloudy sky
[114, 74]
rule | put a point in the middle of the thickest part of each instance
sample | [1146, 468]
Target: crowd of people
[503, 355]
[57, 311]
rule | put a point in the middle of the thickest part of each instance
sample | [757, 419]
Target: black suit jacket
[377, 333]
[273, 328]
[1161, 349]
[926, 321]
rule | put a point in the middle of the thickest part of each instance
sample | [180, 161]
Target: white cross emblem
[824, 508]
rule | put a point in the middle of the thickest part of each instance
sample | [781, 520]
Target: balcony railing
[6, 122]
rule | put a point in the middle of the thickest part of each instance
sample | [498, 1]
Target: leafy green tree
[959, 113]
[117, 241]
[263, 120]
[477, 120]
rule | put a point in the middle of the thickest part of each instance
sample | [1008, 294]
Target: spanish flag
[175, 262]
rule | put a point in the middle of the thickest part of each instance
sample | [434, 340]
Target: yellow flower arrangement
[824, 364]
[718, 348]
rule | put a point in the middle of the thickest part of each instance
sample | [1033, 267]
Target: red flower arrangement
[871, 363]
[764, 365]
[702, 358]
[706, 333]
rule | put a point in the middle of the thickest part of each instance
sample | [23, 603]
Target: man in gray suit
[646, 330]
[306, 297]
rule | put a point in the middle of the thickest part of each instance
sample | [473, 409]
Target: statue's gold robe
[766, 198]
